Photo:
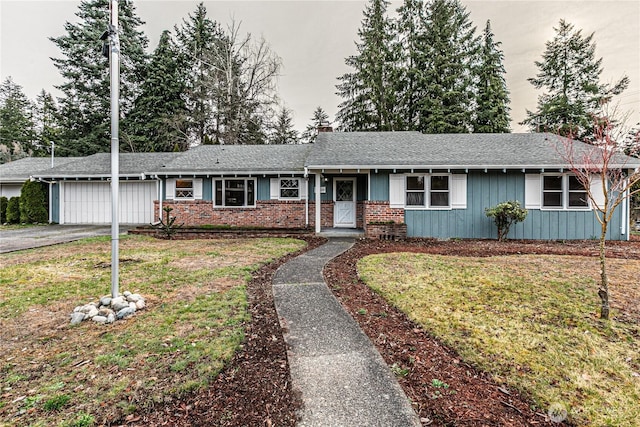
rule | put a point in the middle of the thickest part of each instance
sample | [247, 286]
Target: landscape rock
[125, 312]
[134, 298]
[119, 305]
[108, 310]
[76, 317]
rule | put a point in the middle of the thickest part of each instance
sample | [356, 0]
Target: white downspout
[306, 199]
[318, 203]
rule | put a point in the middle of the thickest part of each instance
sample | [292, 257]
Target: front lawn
[52, 373]
[530, 321]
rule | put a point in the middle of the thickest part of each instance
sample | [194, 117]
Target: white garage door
[90, 202]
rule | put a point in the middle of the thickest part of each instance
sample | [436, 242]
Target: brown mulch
[476, 399]
[255, 388]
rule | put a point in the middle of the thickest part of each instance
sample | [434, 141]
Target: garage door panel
[90, 202]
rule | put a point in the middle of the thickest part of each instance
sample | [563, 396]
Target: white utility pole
[114, 68]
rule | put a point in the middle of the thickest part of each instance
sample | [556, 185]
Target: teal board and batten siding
[486, 190]
[54, 205]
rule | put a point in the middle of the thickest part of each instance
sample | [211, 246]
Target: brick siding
[266, 213]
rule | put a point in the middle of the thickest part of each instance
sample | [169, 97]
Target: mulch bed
[255, 388]
[478, 400]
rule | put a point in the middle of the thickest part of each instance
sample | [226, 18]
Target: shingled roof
[405, 150]
[22, 169]
[239, 158]
[332, 150]
[99, 165]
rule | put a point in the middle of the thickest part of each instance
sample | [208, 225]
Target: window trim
[299, 188]
[565, 191]
[176, 189]
[428, 191]
[224, 180]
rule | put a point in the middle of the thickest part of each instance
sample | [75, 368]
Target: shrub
[33, 202]
[505, 214]
[3, 209]
[13, 210]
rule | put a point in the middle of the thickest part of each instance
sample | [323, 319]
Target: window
[235, 192]
[437, 187]
[415, 191]
[563, 192]
[290, 188]
[439, 192]
[287, 189]
[577, 194]
[184, 189]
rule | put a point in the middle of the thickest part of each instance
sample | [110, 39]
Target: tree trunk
[603, 289]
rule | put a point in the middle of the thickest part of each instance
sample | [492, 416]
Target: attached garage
[89, 202]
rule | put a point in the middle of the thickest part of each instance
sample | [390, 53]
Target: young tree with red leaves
[610, 179]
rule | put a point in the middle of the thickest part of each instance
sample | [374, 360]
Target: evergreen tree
[197, 36]
[451, 48]
[47, 122]
[158, 120]
[411, 28]
[283, 131]
[85, 105]
[16, 123]
[320, 118]
[368, 92]
[570, 75]
[492, 97]
[33, 203]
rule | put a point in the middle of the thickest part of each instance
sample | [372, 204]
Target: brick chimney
[325, 127]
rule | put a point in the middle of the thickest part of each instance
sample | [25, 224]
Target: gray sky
[314, 37]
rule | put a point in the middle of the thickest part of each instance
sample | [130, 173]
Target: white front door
[344, 198]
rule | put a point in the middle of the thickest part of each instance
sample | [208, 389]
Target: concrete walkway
[342, 378]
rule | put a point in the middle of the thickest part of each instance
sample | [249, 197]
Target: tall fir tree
[17, 136]
[320, 118]
[158, 120]
[283, 131]
[368, 92]
[411, 28]
[85, 105]
[492, 97]
[451, 48]
[196, 37]
[46, 119]
[570, 75]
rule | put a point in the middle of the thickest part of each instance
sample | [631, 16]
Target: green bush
[33, 202]
[505, 214]
[3, 209]
[13, 210]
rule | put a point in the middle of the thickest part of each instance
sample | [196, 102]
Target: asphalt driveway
[35, 237]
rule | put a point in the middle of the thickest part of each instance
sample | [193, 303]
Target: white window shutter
[396, 191]
[596, 191]
[171, 188]
[274, 188]
[197, 188]
[532, 191]
[459, 191]
[304, 191]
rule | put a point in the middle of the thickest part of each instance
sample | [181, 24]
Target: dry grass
[54, 374]
[531, 321]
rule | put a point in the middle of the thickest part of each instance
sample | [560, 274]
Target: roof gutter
[465, 167]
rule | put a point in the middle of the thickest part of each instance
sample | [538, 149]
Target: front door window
[344, 213]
